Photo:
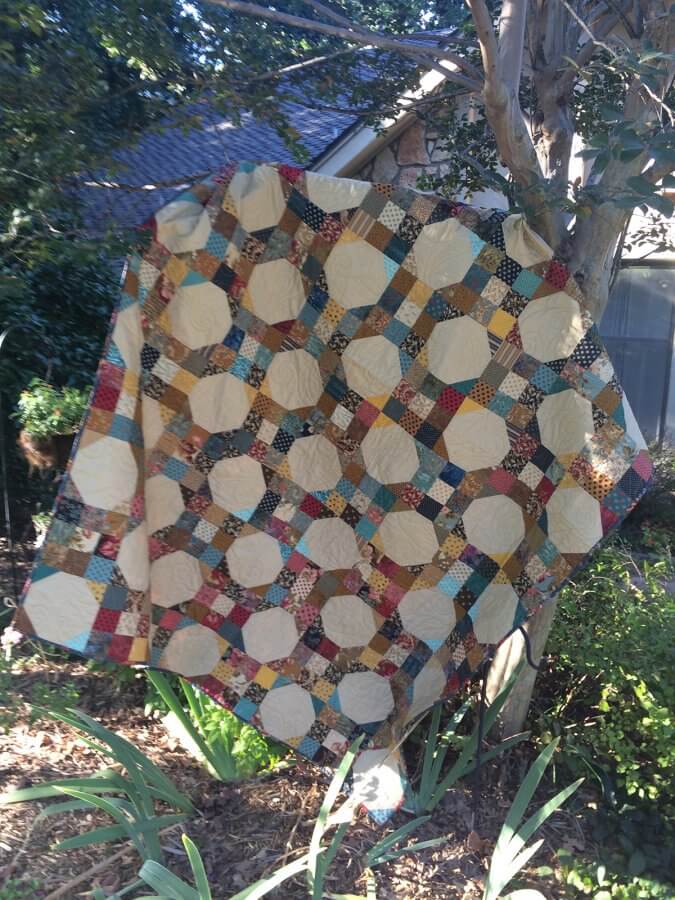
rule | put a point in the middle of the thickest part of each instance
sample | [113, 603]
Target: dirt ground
[245, 830]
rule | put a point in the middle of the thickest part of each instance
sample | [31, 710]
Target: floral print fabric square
[344, 438]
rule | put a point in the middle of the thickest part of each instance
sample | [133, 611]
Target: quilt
[344, 438]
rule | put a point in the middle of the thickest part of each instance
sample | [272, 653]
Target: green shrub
[19, 889]
[600, 882]
[45, 410]
[612, 647]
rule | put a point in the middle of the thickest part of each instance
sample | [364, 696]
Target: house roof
[336, 138]
[169, 154]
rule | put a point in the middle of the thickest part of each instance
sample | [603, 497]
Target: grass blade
[170, 697]
[450, 729]
[326, 859]
[426, 781]
[468, 751]
[154, 774]
[113, 812]
[59, 808]
[466, 763]
[94, 785]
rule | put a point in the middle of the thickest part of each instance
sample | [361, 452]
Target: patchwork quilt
[344, 438]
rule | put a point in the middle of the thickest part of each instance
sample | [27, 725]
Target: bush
[45, 410]
[612, 646]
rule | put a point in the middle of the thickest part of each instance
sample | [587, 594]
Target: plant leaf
[328, 801]
[501, 872]
[373, 855]
[197, 864]
[413, 848]
[524, 795]
[265, 885]
[95, 836]
[526, 831]
[165, 882]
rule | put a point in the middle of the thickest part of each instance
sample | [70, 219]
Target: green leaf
[468, 751]
[427, 781]
[412, 848]
[265, 885]
[218, 763]
[111, 809]
[500, 875]
[641, 185]
[53, 789]
[321, 824]
[588, 153]
[59, 808]
[166, 883]
[537, 819]
[525, 794]
[624, 202]
[135, 763]
[327, 858]
[610, 113]
[626, 154]
[96, 836]
[197, 864]
[374, 854]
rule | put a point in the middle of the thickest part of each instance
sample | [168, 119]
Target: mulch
[244, 830]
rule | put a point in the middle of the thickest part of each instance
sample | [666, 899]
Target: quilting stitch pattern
[344, 437]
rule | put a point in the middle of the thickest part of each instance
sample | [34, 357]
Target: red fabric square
[311, 506]
[450, 400]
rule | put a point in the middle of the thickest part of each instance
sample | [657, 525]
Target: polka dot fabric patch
[344, 438]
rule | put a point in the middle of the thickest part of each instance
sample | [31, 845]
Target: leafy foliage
[130, 800]
[19, 889]
[332, 826]
[614, 689]
[510, 854]
[600, 882]
[434, 782]
[44, 409]
[231, 749]
[617, 609]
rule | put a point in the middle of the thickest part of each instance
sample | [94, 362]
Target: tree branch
[593, 246]
[586, 53]
[407, 48]
[338, 18]
[304, 64]
[487, 42]
[511, 42]
[600, 43]
[363, 30]
[503, 112]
